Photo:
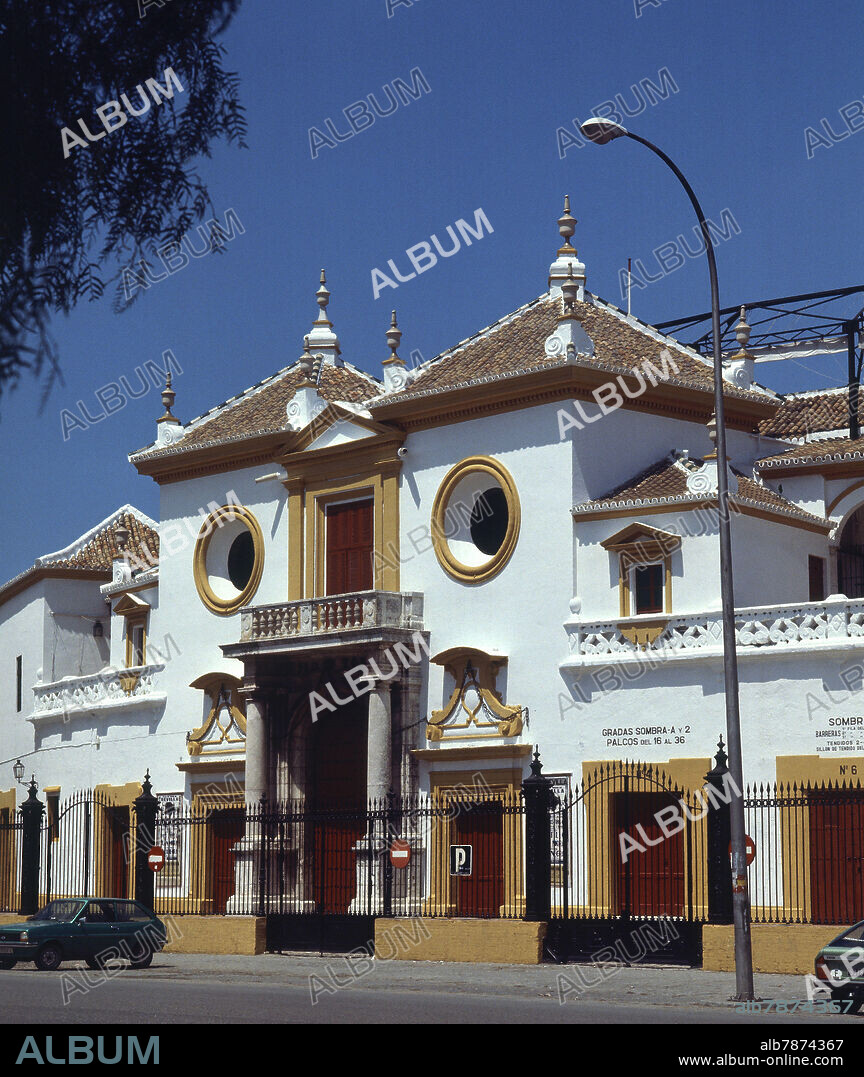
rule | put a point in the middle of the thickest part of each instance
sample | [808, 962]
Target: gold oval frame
[448, 561]
[226, 606]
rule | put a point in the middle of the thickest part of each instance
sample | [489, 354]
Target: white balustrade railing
[756, 627]
[109, 687]
[333, 614]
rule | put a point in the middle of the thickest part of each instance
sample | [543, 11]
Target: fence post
[31, 826]
[263, 854]
[146, 806]
[388, 830]
[539, 799]
[719, 838]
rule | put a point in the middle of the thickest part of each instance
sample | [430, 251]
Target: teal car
[96, 930]
[840, 965]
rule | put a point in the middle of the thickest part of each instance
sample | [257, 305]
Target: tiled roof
[262, 408]
[666, 482]
[515, 344]
[829, 450]
[801, 414]
[93, 551]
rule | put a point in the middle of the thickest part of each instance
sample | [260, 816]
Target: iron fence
[10, 862]
[808, 852]
[397, 856]
[630, 843]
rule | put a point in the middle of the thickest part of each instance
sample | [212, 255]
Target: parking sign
[460, 859]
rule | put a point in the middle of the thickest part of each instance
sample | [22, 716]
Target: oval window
[475, 519]
[229, 559]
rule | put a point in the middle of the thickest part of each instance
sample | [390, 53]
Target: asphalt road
[192, 989]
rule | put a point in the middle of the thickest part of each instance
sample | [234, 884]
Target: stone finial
[567, 224]
[323, 298]
[321, 337]
[742, 330]
[306, 363]
[396, 376]
[394, 336]
[122, 535]
[740, 368]
[567, 265]
[570, 291]
[168, 396]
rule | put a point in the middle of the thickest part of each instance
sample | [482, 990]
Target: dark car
[840, 964]
[95, 929]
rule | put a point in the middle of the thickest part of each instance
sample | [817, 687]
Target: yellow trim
[506, 720]
[840, 496]
[448, 561]
[116, 796]
[132, 622]
[8, 848]
[447, 785]
[687, 775]
[458, 755]
[226, 606]
[813, 771]
[295, 539]
[211, 684]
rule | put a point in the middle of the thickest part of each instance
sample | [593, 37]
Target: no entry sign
[400, 853]
[749, 849]
[156, 858]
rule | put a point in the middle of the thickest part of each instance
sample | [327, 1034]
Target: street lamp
[18, 771]
[602, 131]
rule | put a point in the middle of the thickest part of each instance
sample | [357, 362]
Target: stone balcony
[107, 690]
[835, 624]
[361, 617]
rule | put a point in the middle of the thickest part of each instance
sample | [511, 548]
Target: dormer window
[644, 568]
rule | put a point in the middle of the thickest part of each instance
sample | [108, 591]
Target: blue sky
[504, 77]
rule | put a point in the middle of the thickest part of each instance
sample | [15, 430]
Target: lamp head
[18, 770]
[601, 131]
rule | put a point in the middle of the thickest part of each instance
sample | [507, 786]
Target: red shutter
[349, 547]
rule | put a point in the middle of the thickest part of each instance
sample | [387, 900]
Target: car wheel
[142, 962]
[48, 957]
[8, 962]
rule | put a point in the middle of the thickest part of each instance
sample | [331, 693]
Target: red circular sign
[749, 849]
[156, 858]
[400, 853]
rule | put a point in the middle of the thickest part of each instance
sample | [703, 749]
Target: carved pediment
[224, 728]
[475, 707]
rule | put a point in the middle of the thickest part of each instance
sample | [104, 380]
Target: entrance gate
[629, 878]
[85, 849]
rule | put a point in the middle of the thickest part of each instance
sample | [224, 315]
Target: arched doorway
[850, 556]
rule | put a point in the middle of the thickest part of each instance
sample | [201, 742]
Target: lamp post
[602, 131]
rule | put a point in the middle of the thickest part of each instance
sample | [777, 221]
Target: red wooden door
[837, 856]
[349, 547]
[225, 829]
[482, 827]
[650, 882]
[118, 841]
[338, 796]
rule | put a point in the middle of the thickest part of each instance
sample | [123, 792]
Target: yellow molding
[227, 606]
[553, 383]
[446, 558]
[842, 494]
[457, 755]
